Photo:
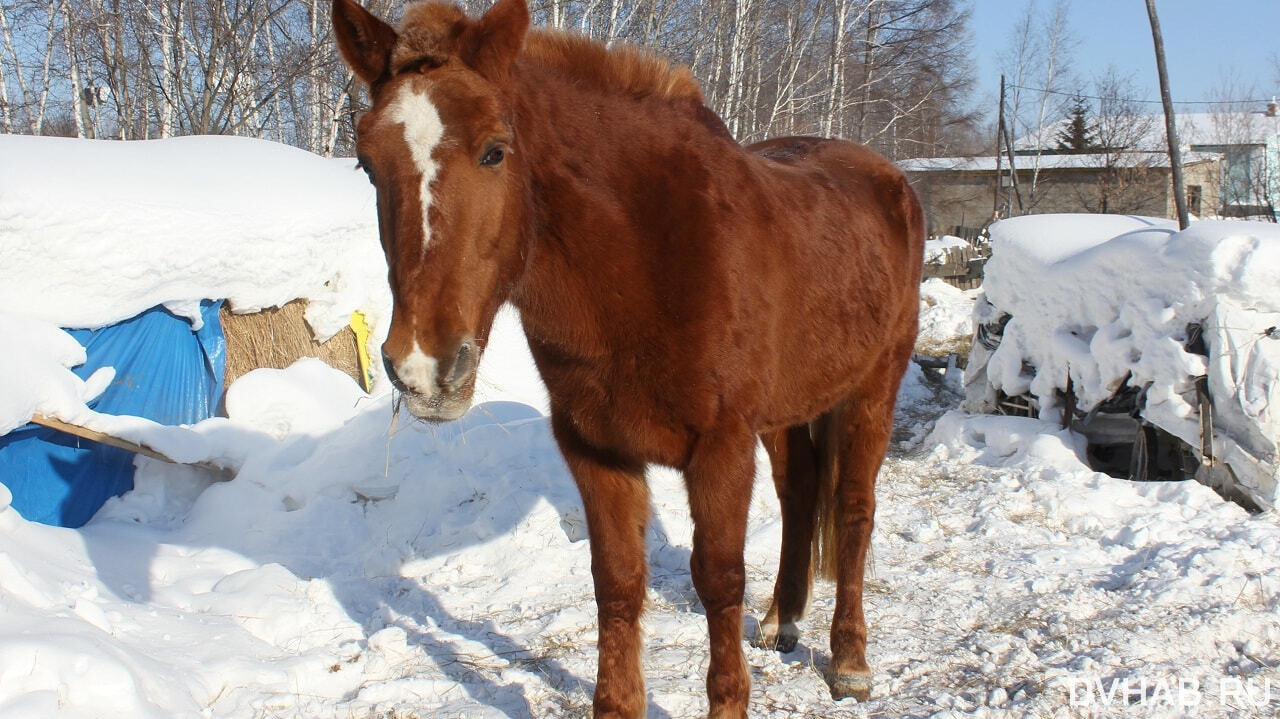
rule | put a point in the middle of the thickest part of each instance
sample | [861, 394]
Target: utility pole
[1013, 169]
[995, 208]
[1170, 121]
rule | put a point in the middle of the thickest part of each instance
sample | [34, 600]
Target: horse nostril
[390, 368]
[463, 364]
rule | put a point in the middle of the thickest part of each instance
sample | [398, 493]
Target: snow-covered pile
[1102, 298]
[946, 319]
[95, 231]
[935, 248]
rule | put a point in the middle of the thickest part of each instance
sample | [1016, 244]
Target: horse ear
[364, 41]
[492, 43]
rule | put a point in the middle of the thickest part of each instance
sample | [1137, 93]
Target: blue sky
[1203, 39]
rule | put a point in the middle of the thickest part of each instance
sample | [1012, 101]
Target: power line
[1149, 102]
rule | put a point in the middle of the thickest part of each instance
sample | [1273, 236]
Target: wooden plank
[94, 435]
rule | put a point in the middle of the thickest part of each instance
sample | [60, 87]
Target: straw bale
[278, 337]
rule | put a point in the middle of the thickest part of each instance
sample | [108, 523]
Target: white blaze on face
[423, 130]
[418, 371]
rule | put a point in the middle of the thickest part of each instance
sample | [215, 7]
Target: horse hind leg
[791, 454]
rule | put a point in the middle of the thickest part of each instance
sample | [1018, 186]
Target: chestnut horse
[682, 296]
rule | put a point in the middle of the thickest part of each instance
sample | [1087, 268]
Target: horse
[683, 297]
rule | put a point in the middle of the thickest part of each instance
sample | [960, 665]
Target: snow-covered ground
[363, 565]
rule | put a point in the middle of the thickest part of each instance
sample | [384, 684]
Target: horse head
[439, 147]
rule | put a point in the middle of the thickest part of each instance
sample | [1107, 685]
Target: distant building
[1231, 165]
[959, 193]
[1249, 143]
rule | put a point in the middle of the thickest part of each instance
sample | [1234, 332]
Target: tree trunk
[868, 69]
[6, 111]
[17, 63]
[45, 76]
[77, 97]
[313, 98]
[166, 31]
[831, 123]
[1056, 33]
[738, 49]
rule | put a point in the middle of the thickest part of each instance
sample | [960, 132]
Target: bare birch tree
[889, 72]
[1040, 48]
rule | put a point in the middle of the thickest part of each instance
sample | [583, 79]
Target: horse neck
[592, 161]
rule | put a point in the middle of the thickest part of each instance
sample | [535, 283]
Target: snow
[1194, 129]
[180, 220]
[946, 319]
[1102, 299]
[988, 163]
[361, 564]
[935, 249]
[34, 375]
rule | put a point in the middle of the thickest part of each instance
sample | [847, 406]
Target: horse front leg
[719, 479]
[616, 500]
[861, 435]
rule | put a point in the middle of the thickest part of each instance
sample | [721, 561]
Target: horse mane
[431, 30]
[622, 68]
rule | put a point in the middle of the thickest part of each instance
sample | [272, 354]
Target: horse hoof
[846, 685]
[780, 638]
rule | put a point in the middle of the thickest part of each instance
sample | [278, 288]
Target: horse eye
[493, 157]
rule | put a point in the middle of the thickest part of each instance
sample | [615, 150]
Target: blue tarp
[164, 372]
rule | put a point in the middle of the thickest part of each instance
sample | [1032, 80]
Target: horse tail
[914, 213]
[908, 220]
[826, 447]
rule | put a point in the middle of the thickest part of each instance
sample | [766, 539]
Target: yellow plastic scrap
[361, 327]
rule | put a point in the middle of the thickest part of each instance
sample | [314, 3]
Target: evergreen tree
[1078, 137]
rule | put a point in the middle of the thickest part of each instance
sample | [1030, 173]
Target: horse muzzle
[434, 390]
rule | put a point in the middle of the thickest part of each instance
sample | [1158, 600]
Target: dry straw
[278, 337]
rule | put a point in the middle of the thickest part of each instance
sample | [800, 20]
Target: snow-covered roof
[1052, 162]
[1197, 129]
[255, 222]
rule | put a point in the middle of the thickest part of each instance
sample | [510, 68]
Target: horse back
[858, 173]
[846, 265]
